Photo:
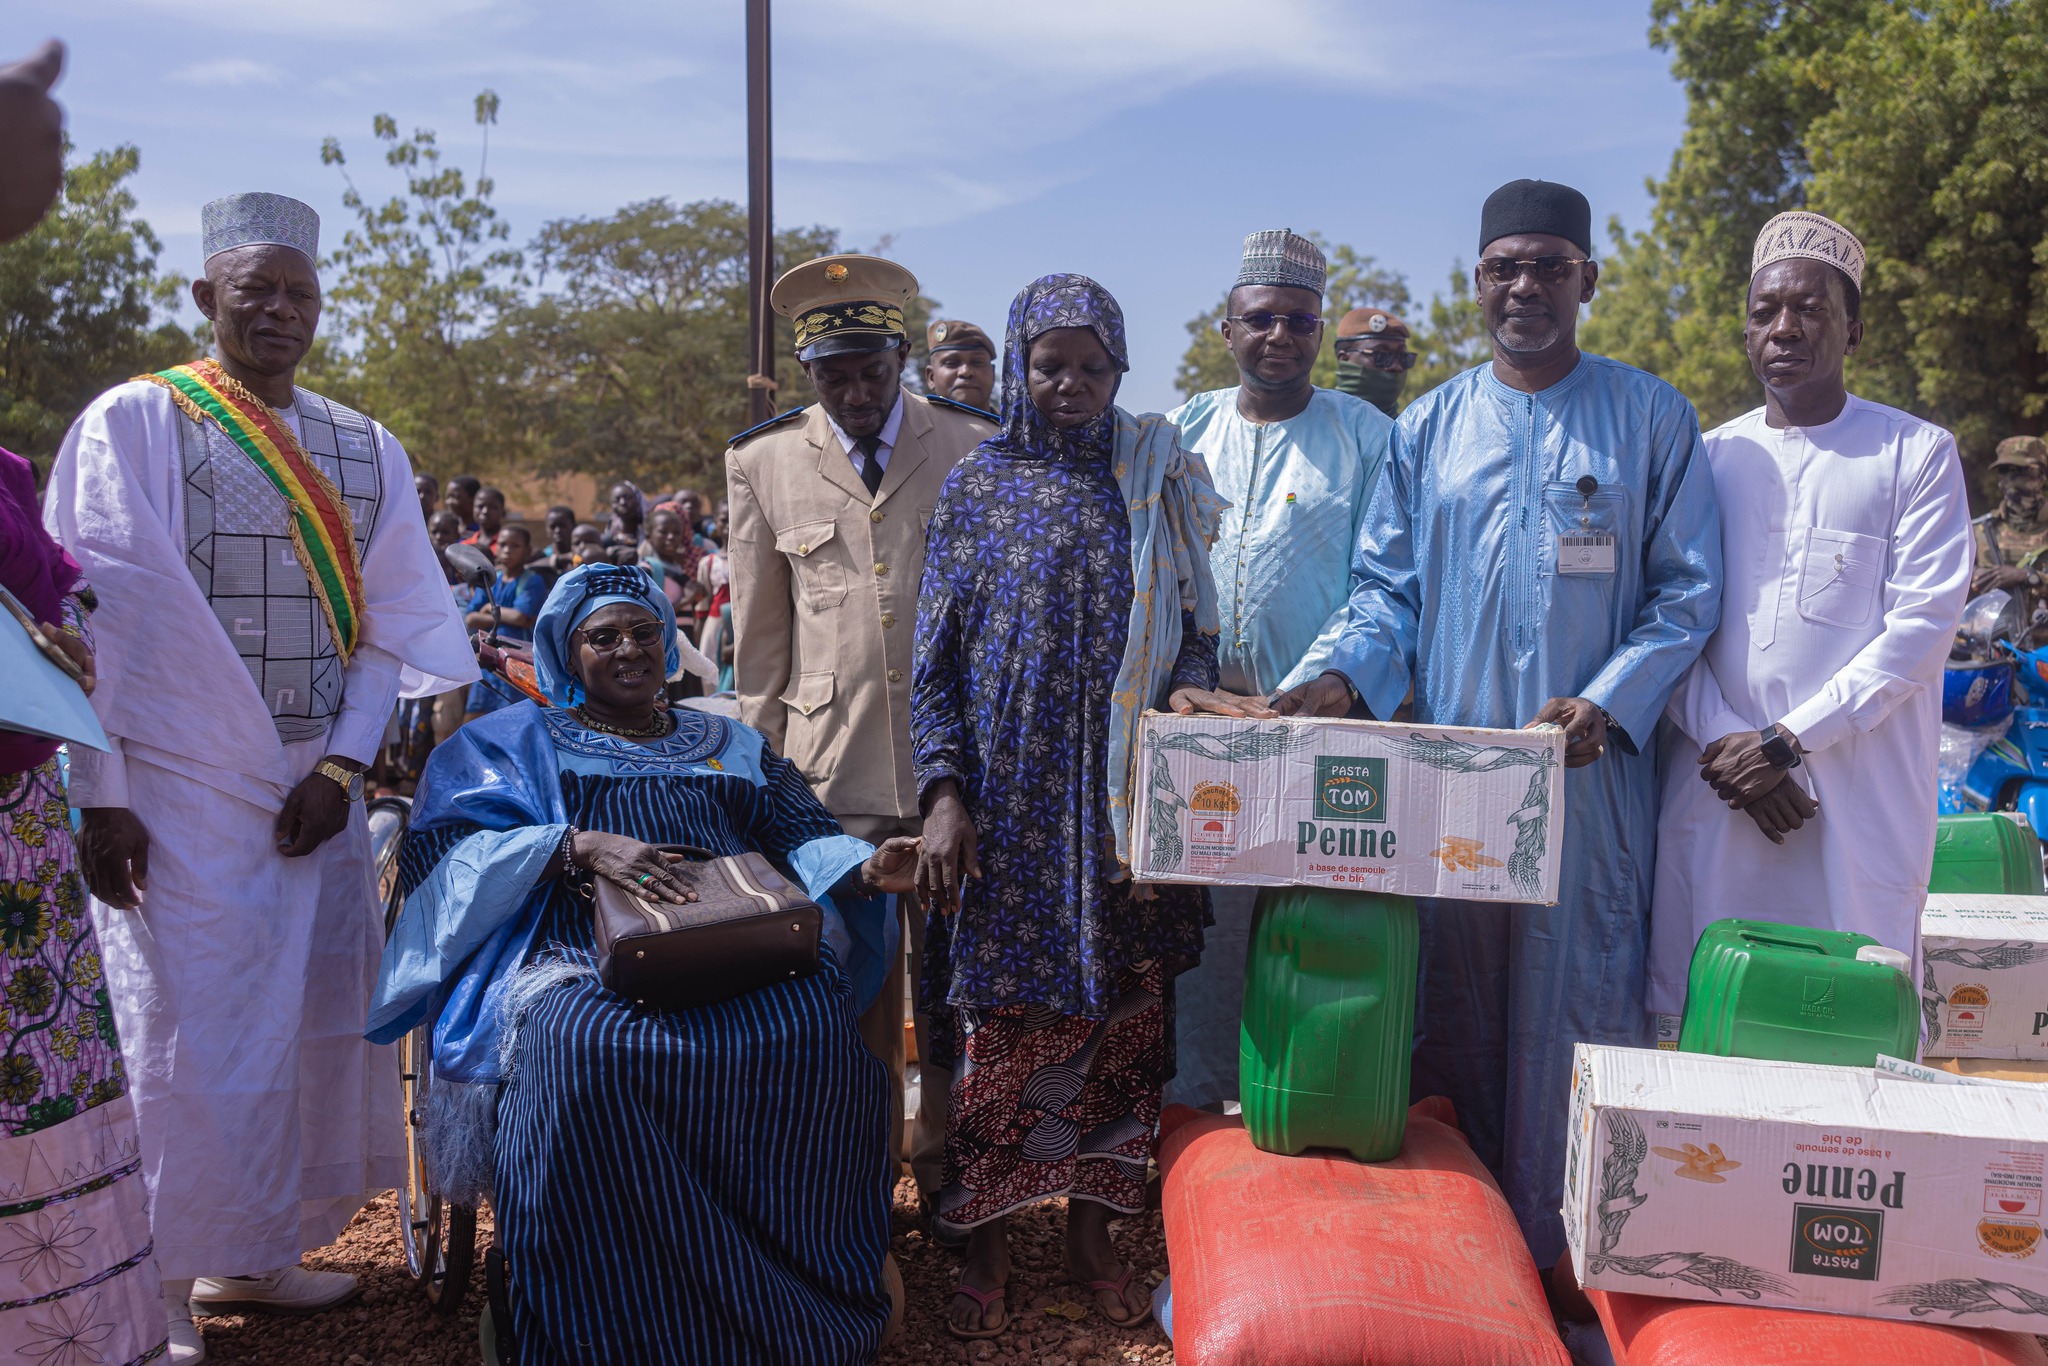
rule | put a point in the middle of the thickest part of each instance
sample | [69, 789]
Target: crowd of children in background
[675, 538]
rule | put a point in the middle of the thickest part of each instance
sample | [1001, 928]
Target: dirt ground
[392, 1324]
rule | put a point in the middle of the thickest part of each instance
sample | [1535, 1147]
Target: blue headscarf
[577, 594]
[1049, 302]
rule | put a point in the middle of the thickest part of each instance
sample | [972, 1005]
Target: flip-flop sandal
[984, 1298]
[1117, 1288]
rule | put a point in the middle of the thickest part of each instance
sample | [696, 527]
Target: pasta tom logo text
[1351, 789]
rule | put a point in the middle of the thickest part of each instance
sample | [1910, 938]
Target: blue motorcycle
[1992, 680]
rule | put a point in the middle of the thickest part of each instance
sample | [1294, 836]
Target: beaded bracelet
[568, 852]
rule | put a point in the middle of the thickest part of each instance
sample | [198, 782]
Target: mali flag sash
[323, 532]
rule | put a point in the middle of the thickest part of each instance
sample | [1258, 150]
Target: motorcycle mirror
[475, 567]
[1991, 617]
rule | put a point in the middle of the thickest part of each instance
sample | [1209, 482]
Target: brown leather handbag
[749, 928]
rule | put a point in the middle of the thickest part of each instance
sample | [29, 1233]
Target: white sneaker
[289, 1290]
[187, 1348]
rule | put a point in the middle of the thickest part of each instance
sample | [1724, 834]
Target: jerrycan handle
[1770, 942]
[1891, 958]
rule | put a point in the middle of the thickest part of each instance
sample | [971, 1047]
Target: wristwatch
[1778, 747]
[347, 779]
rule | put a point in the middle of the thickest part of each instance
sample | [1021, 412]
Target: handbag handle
[701, 855]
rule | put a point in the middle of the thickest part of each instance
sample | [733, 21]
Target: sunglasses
[1378, 360]
[1300, 324]
[607, 639]
[1549, 270]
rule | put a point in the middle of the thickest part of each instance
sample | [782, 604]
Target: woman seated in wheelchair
[701, 1185]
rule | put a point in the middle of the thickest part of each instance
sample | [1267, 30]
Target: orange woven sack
[1650, 1330]
[1321, 1260]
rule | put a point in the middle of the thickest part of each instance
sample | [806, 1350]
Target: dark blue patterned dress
[1020, 633]
[1050, 989]
[706, 1187]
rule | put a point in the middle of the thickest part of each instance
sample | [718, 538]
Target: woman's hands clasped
[639, 868]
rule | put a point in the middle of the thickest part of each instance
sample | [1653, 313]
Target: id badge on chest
[1584, 551]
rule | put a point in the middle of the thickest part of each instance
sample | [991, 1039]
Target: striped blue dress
[693, 1188]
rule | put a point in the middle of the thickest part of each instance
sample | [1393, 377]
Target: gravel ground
[392, 1324]
[1041, 1298]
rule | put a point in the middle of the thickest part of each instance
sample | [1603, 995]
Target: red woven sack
[1650, 1330]
[1321, 1260]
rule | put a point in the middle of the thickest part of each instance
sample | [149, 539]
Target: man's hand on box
[1327, 694]
[1585, 728]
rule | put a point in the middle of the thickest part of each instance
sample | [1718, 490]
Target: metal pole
[760, 221]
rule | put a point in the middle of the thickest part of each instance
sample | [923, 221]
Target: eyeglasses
[1300, 324]
[1378, 360]
[1549, 270]
[607, 639]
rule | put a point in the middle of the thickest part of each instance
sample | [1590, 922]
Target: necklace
[663, 724]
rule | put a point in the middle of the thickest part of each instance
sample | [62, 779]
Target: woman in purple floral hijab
[1066, 589]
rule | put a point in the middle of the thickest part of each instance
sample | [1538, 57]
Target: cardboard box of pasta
[1984, 976]
[1417, 810]
[1844, 1189]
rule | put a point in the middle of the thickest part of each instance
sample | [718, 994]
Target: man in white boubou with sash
[267, 594]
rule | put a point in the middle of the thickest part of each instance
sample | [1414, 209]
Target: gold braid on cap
[857, 317]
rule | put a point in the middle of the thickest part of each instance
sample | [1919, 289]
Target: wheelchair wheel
[438, 1236]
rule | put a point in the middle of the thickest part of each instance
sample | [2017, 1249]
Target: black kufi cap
[1526, 206]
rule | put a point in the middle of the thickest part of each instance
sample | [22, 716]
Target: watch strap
[349, 781]
[1779, 749]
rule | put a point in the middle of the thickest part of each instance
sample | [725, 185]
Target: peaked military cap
[844, 304]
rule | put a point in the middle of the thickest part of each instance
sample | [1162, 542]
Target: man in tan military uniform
[2010, 540]
[829, 506]
[960, 363]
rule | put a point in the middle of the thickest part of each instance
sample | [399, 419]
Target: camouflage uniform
[2004, 540]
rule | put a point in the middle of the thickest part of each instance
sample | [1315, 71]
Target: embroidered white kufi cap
[1812, 237]
[258, 219]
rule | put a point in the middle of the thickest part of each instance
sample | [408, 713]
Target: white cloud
[1069, 44]
[226, 71]
[318, 18]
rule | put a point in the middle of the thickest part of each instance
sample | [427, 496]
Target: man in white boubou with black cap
[1799, 784]
[267, 593]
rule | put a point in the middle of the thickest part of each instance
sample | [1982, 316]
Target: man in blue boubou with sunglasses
[1544, 546]
[1298, 464]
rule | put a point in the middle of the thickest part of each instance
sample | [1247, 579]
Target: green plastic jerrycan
[1329, 1019]
[1758, 990]
[1985, 852]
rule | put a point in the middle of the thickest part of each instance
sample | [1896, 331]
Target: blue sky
[1133, 140]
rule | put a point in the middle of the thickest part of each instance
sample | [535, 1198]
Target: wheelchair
[437, 1235]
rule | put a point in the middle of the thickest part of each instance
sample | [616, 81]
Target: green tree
[417, 291]
[1921, 125]
[1207, 363]
[1935, 153]
[1757, 73]
[1453, 339]
[1355, 281]
[81, 305]
[1637, 305]
[632, 352]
